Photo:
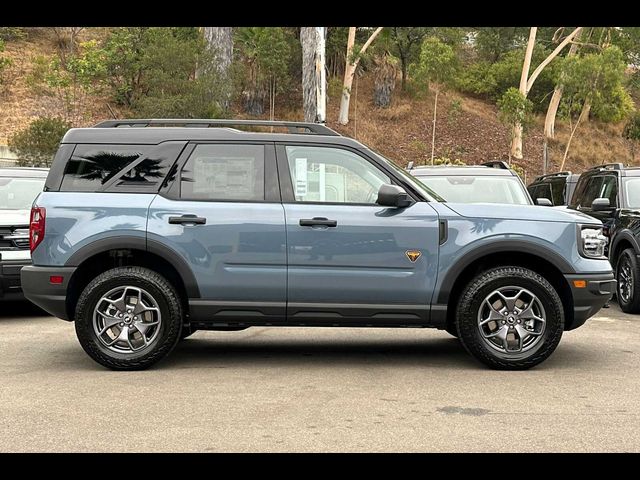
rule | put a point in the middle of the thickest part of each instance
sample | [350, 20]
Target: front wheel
[510, 318]
[128, 318]
[628, 276]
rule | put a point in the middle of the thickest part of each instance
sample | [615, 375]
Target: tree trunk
[385, 81]
[554, 103]
[433, 130]
[516, 144]
[308, 39]
[350, 70]
[220, 43]
[403, 68]
[584, 114]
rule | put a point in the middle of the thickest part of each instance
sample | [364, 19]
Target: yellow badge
[413, 255]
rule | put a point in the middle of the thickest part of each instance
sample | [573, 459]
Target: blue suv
[148, 230]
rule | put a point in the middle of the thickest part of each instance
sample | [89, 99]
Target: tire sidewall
[628, 256]
[169, 330]
[473, 298]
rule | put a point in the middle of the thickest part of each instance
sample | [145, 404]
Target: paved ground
[317, 389]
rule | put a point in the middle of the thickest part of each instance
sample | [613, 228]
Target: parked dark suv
[556, 187]
[611, 193]
[144, 235]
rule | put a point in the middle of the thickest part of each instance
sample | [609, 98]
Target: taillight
[36, 227]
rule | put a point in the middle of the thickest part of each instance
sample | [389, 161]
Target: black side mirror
[601, 205]
[544, 202]
[393, 196]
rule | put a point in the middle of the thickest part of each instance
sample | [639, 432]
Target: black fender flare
[497, 246]
[620, 236]
[139, 243]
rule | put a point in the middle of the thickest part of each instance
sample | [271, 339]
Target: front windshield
[421, 187]
[632, 192]
[463, 189]
[19, 193]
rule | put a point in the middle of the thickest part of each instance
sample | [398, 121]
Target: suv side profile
[611, 193]
[556, 187]
[151, 229]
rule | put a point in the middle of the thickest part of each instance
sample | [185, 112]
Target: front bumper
[10, 288]
[50, 297]
[589, 300]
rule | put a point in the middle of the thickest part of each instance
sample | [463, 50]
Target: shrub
[37, 144]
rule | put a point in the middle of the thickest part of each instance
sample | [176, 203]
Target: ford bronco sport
[148, 230]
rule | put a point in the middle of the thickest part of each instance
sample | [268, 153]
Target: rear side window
[224, 172]
[557, 190]
[92, 166]
[540, 191]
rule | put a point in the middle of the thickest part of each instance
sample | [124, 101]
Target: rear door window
[558, 186]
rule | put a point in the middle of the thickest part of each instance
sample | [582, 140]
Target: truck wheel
[128, 318]
[628, 276]
[510, 318]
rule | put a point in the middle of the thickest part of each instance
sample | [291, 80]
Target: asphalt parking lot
[296, 389]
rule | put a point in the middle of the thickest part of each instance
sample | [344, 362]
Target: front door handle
[318, 222]
[187, 219]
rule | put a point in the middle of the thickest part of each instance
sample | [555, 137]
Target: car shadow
[207, 352]
[20, 309]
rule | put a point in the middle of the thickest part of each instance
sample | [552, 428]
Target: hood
[14, 218]
[520, 212]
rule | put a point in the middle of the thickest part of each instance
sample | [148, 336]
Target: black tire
[472, 299]
[169, 329]
[629, 259]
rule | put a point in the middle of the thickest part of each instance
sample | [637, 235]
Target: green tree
[4, 64]
[152, 71]
[594, 84]
[264, 54]
[436, 68]
[631, 133]
[493, 42]
[37, 144]
[514, 108]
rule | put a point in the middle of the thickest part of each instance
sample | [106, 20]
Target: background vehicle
[492, 182]
[557, 187]
[144, 235]
[611, 193]
[18, 189]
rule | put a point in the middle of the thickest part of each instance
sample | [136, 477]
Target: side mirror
[393, 196]
[601, 205]
[544, 202]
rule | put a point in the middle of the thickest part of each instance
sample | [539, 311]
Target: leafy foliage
[437, 63]
[632, 128]
[37, 144]
[448, 161]
[597, 78]
[4, 63]
[514, 108]
[12, 33]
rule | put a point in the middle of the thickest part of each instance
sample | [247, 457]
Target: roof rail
[496, 164]
[609, 166]
[557, 174]
[294, 127]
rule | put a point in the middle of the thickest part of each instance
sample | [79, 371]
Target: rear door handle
[318, 221]
[187, 219]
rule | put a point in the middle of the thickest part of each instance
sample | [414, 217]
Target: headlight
[592, 242]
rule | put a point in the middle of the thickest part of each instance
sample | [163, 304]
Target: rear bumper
[10, 288]
[589, 300]
[37, 288]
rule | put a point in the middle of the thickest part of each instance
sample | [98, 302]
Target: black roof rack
[556, 174]
[293, 127]
[496, 164]
[609, 166]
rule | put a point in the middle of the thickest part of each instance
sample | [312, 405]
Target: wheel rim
[511, 320]
[127, 319]
[625, 281]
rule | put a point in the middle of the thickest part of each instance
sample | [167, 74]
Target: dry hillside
[467, 128]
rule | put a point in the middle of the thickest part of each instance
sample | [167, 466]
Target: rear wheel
[128, 318]
[628, 276]
[510, 318]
